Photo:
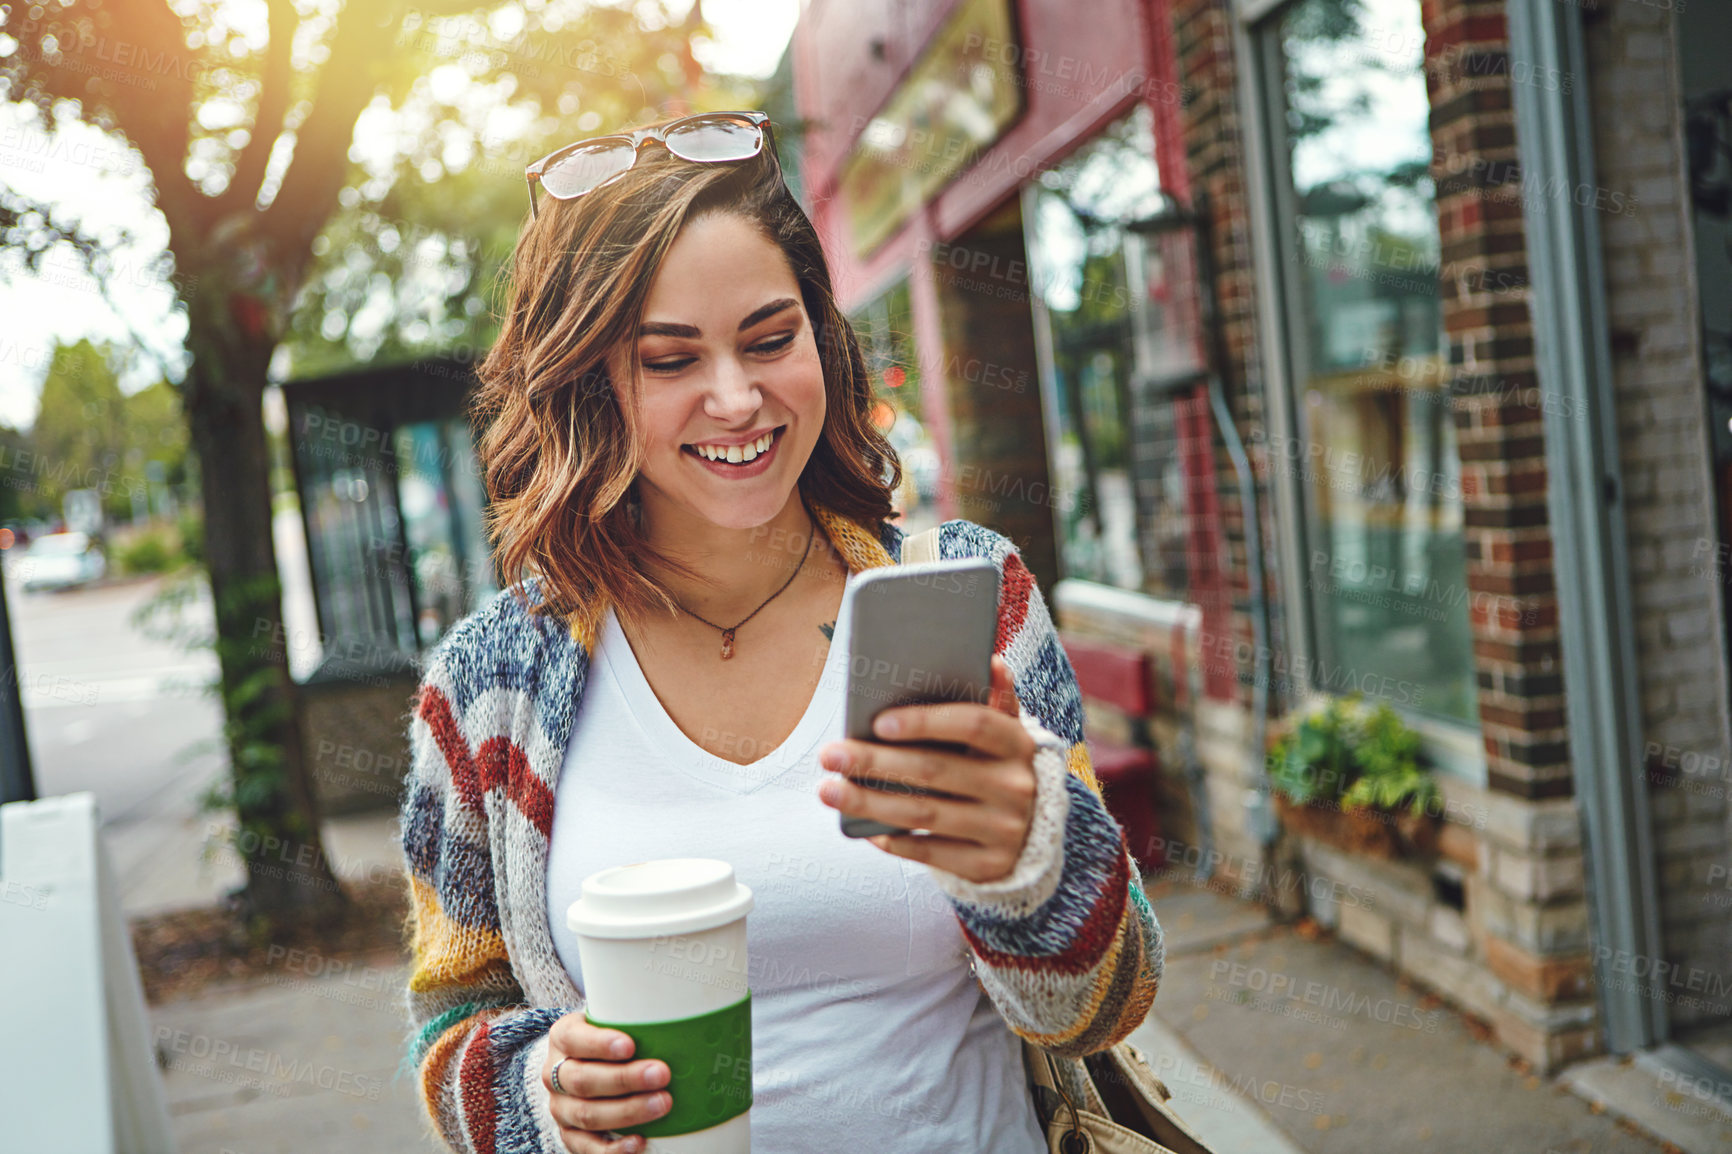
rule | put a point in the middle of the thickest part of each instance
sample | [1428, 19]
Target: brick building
[1309, 347]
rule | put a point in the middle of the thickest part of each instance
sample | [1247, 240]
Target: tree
[88, 435]
[248, 136]
[79, 438]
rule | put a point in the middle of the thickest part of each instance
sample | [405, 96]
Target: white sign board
[77, 1073]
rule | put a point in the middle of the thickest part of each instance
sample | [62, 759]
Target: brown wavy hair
[560, 451]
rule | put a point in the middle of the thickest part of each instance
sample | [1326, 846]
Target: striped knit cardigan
[1066, 946]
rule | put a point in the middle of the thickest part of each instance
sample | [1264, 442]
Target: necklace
[728, 634]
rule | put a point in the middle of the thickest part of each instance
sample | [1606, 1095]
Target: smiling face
[729, 365]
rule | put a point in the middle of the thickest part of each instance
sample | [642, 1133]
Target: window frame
[1455, 748]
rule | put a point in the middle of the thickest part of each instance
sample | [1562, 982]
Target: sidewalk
[174, 858]
[1342, 1058]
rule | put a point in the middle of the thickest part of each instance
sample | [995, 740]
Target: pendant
[727, 644]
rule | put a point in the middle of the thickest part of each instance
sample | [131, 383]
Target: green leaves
[1347, 755]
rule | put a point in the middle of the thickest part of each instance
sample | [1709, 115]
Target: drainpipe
[1259, 808]
[1259, 811]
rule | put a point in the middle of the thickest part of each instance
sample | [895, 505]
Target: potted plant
[1351, 777]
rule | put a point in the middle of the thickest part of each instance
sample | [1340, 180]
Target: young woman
[678, 455]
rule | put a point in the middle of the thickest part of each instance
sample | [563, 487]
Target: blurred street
[1351, 380]
[115, 710]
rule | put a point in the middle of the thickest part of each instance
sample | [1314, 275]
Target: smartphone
[917, 634]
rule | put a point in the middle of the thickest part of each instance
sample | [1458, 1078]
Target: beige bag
[1134, 1117]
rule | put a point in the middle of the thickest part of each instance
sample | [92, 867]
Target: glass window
[347, 476]
[1374, 448]
[1115, 323]
[397, 549]
[885, 326]
[441, 498]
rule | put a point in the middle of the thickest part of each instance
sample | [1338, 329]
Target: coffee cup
[662, 945]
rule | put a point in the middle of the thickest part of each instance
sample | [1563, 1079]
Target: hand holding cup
[600, 1088]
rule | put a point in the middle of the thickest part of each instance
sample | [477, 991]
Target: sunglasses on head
[706, 138]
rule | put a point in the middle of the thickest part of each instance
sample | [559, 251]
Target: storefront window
[1374, 451]
[1106, 298]
[347, 477]
[885, 326]
[441, 498]
[396, 545]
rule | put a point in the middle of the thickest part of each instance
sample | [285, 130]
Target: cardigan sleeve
[474, 1045]
[1066, 945]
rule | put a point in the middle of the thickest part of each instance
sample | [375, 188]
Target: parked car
[60, 561]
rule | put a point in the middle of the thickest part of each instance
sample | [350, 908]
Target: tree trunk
[289, 879]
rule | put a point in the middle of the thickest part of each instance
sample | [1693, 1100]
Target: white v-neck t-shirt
[868, 1031]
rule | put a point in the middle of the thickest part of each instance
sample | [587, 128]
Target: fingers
[966, 820]
[967, 860]
[593, 1116]
[601, 1088]
[987, 731]
[908, 811]
[1004, 697]
[573, 1037]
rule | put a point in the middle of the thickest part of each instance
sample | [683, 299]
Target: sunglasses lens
[723, 138]
[582, 169]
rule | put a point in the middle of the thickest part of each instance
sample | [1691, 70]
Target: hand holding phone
[918, 634]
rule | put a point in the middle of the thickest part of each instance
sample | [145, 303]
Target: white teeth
[737, 454]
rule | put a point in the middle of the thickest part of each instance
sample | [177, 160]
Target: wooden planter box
[1368, 832]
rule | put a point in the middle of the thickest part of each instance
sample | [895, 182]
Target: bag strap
[921, 547]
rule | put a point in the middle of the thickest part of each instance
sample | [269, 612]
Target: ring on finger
[554, 1078]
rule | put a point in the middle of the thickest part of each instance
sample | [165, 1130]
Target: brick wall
[1664, 451]
[1500, 411]
[1197, 38]
[1499, 922]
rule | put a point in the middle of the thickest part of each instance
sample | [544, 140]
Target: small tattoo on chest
[828, 631]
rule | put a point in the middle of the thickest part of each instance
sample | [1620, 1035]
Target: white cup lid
[666, 896]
